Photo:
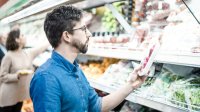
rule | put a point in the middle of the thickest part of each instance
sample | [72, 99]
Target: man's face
[80, 38]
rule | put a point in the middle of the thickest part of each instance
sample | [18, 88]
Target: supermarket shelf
[185, 60]
[115, 53]
[138, 99]
[178, 59]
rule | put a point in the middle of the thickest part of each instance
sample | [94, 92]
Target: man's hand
[135, 80]
[112, 100]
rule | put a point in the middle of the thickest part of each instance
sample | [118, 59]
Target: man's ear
[66, 36]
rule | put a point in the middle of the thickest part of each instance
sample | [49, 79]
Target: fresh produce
[161, 87]
[108, 19]
[178, 97]
[117, 74]
[95, 69]
[195, 98]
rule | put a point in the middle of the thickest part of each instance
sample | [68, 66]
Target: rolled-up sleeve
[45, 93]
[95, 101]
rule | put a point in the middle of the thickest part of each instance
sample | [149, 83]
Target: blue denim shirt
[60, 86]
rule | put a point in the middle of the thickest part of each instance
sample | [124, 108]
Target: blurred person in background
[2, 46]
[16, 72]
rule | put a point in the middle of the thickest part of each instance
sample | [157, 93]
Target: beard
[82, 47]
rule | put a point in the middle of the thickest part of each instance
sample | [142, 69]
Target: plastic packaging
[149, 57]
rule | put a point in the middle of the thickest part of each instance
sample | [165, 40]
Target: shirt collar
[61, 60]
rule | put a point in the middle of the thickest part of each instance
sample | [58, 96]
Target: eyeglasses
[83, 28]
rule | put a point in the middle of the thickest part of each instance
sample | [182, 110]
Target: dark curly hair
[59, 20]
[11, 43]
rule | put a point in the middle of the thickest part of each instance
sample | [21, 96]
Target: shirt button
[77, 77]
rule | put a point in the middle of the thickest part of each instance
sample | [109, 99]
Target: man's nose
[89, 34]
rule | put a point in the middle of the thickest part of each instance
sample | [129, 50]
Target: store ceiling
[9, 7]
[31, 7]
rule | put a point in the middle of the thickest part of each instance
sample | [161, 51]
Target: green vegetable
[179, 96]
[195, 99]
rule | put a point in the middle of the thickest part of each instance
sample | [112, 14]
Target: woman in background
[16, 72]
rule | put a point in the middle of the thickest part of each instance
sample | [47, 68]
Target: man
[59, 85]
[2, 46]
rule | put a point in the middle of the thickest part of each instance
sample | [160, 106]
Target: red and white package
[149, 57]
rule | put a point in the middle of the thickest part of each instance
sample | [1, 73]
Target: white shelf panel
[177, 59]
[116, 53]
[190, 60]
[138, 99]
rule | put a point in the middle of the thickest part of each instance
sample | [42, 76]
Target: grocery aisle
[122, 32]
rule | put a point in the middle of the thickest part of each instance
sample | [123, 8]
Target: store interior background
[122, 31]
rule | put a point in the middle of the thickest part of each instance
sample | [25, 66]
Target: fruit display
[96, 69]
[108, 20]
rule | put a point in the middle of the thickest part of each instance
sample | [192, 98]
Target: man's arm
[111, 101]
